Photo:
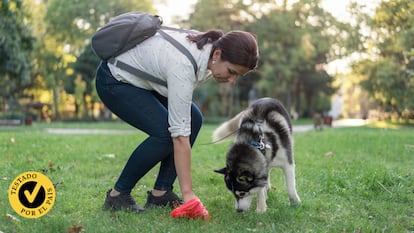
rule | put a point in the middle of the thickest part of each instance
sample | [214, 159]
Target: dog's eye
[240, 193]
[244, 179]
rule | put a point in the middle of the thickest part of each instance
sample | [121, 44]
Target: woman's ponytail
[205, 38]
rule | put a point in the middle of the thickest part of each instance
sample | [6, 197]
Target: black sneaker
[168, 199]
[123, 201]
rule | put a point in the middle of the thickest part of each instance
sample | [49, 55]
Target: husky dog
[263, 140]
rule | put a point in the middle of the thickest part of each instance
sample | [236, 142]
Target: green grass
[357, 179]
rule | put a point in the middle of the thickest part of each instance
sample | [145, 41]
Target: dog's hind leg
[261, 200]
[289, 171]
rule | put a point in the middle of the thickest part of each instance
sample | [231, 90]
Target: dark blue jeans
[147, 111]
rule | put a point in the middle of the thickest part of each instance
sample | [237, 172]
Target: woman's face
[224, 71]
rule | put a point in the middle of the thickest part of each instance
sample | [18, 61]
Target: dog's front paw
[295, 201]
[261, 200]
[261, 209]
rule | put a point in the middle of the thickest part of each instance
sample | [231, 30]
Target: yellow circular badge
[32, 194]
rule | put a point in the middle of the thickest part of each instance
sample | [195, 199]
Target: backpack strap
[130, 69]
[179, 46]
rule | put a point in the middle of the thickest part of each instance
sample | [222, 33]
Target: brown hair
[237, 47]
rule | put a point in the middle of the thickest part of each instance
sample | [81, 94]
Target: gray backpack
[125, 32]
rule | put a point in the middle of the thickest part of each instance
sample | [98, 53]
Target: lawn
[358, 179]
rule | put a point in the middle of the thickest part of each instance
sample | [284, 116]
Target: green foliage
[222, 99]
[13, 115]
[85, 66]
[221, 14]
[388, 77]
[388, 84]
[350, 180]
[16, 45]
[64, 53]
[75, 21]
[296, 38]
[295, 44]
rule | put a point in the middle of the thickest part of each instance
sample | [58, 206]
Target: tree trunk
[56, 103]
[309, 104]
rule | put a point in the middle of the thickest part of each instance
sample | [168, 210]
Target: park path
[88, 131]
[297, 128]
[335, 124]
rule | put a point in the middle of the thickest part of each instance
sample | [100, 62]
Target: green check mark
[31, 196]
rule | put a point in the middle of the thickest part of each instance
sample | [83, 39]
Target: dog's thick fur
[263, 140]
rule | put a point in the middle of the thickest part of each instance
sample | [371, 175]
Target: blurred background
[338, 59]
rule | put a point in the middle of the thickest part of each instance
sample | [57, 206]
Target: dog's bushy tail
[228, 129]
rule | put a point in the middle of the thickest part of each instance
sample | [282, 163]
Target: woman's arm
[182, 158]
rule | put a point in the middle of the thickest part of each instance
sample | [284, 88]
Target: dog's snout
[243, 204]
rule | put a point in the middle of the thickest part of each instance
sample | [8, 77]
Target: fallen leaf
[111, 156]
[409, 146]
[57, 184]
[12, 217]
[75, 229]
[113, 216]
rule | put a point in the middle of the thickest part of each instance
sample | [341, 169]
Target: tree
[222, 99]
[296, 42]
[66, 49]
[388, 71]
[221, 14]
[16, 45]
[279, 41]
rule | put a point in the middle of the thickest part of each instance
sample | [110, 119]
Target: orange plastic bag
[191, 209]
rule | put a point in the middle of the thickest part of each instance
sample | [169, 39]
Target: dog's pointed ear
[222, 171]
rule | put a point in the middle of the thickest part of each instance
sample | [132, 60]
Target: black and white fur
[263, 141]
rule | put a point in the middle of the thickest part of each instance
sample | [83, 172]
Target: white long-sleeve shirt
[161, 59]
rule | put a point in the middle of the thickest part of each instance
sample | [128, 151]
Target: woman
[167, 114]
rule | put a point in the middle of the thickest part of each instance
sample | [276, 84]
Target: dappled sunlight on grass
[384, 125]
